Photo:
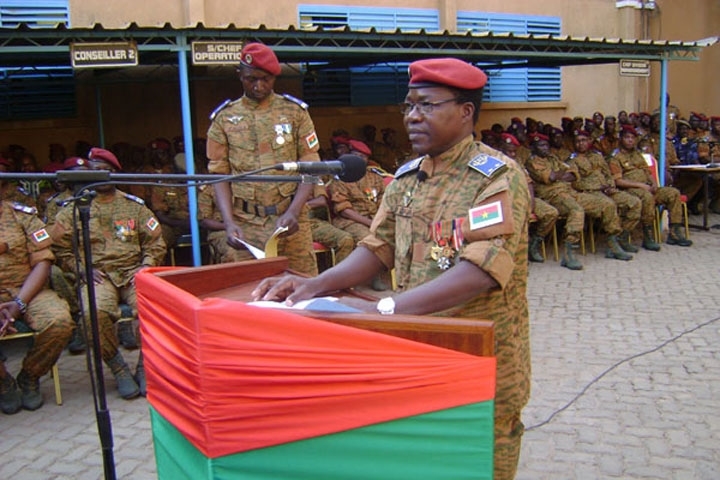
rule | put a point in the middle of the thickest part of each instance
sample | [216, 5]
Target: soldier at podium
[453, 225]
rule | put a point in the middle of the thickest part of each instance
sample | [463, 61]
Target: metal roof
[345, 47]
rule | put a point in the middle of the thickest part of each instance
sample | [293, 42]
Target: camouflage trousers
[49, 315]
[108, 298]
[296, 247]
[64, 284]
[332, 237]
[224, 253]
[546, 216]
[628, 209]
[357, 230]
[599, 205]
[573, 213]
[668, 197]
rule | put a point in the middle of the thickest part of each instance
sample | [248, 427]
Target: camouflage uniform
[594, 176]
[557, 193]
[326, 233]
[400, 239]
[632, 166]
[14, 193]
[125, 237]
[606, 144]
[172, 202]
[28, 243]
[545, 217]
[363, 196]
[220, 251]
[252, 136]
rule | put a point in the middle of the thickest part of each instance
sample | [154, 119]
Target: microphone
[349, 168]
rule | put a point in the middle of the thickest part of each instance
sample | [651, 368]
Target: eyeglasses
[426, 108]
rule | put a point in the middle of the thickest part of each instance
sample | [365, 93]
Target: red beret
[450, 72]
[516, 120]
[160, 144]
[100, 154]
[510, 138]
[581, 133]
[359, 146]
[539, 137]
[73, 162]
[715, 119]
[340, 140]
[257, 55]
[628, 129]
[52, 167]
[6, 162]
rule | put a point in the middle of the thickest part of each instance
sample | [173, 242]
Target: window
[40, 91]
[380, 84]
[513, 84]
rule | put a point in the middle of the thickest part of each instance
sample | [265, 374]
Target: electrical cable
[614, 366]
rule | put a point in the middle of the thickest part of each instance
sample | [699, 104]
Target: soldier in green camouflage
[553, 179]
[441, 228]
[125, 237]
[262, 129]
[323, 231]
[632, 173]
[600, 198]
[26, 305]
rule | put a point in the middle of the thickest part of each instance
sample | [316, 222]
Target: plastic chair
[652, 164]
[54, 372]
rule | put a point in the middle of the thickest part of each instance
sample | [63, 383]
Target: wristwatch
[386, 306]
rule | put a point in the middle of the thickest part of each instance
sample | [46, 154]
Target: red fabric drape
[233, 377]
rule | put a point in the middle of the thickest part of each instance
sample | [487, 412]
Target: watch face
[386, 306]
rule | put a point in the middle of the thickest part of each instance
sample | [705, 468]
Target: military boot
[126, 335]
[615, 251]
[625, 241]
[10, 398]
[677, 236]
[77, 341]
[139, 376]
[649, 242]
[30, 391]
[535, 250]
[569, 260]
[127, 388]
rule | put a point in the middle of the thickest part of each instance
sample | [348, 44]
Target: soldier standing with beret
[261, 129]
[476, 204]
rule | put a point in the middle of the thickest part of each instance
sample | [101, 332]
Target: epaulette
[23, 191]
[573, 155]
[52, 197]
[379, 171]
[614, 152]
[486, 164]
[410, 166]
[24, 208]
[134, 198]
[224, 104]
[290, 98]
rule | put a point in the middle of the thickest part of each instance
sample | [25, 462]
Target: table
[704, 171]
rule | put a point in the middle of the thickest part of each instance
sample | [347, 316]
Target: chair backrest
[652, 164]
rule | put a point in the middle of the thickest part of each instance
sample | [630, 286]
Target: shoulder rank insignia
[24, 208]
[134, 198]
[614, 152]
[486, 164]
[290, 98]
[408, 167]
[224, 104]
[379, 171]
[573, 155]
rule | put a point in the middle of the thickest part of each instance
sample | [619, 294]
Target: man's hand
[289, 220]
[9, 311]
[290, 288]
[233, 235]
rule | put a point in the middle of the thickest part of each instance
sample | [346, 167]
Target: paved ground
[626, 381]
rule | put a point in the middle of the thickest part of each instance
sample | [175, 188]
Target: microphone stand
[83, 181]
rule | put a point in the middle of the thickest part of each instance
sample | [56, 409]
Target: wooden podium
[238, 391]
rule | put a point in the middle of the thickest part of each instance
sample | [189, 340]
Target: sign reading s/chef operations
[216, 53]
[93, 55]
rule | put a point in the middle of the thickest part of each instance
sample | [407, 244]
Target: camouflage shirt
[630, 166]
[253, 135]
[594, 172]
[363, 196]
[24, 242]
[124, 233]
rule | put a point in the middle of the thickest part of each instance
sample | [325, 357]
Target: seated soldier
[632, 173]
[125, 238]
[27, 305]
[323, 231]
[553, 179]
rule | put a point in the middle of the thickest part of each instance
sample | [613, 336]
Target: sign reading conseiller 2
[116, 54]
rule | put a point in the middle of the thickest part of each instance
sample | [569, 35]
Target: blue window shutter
[535, 84]
[381, 84]
[37, 92]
